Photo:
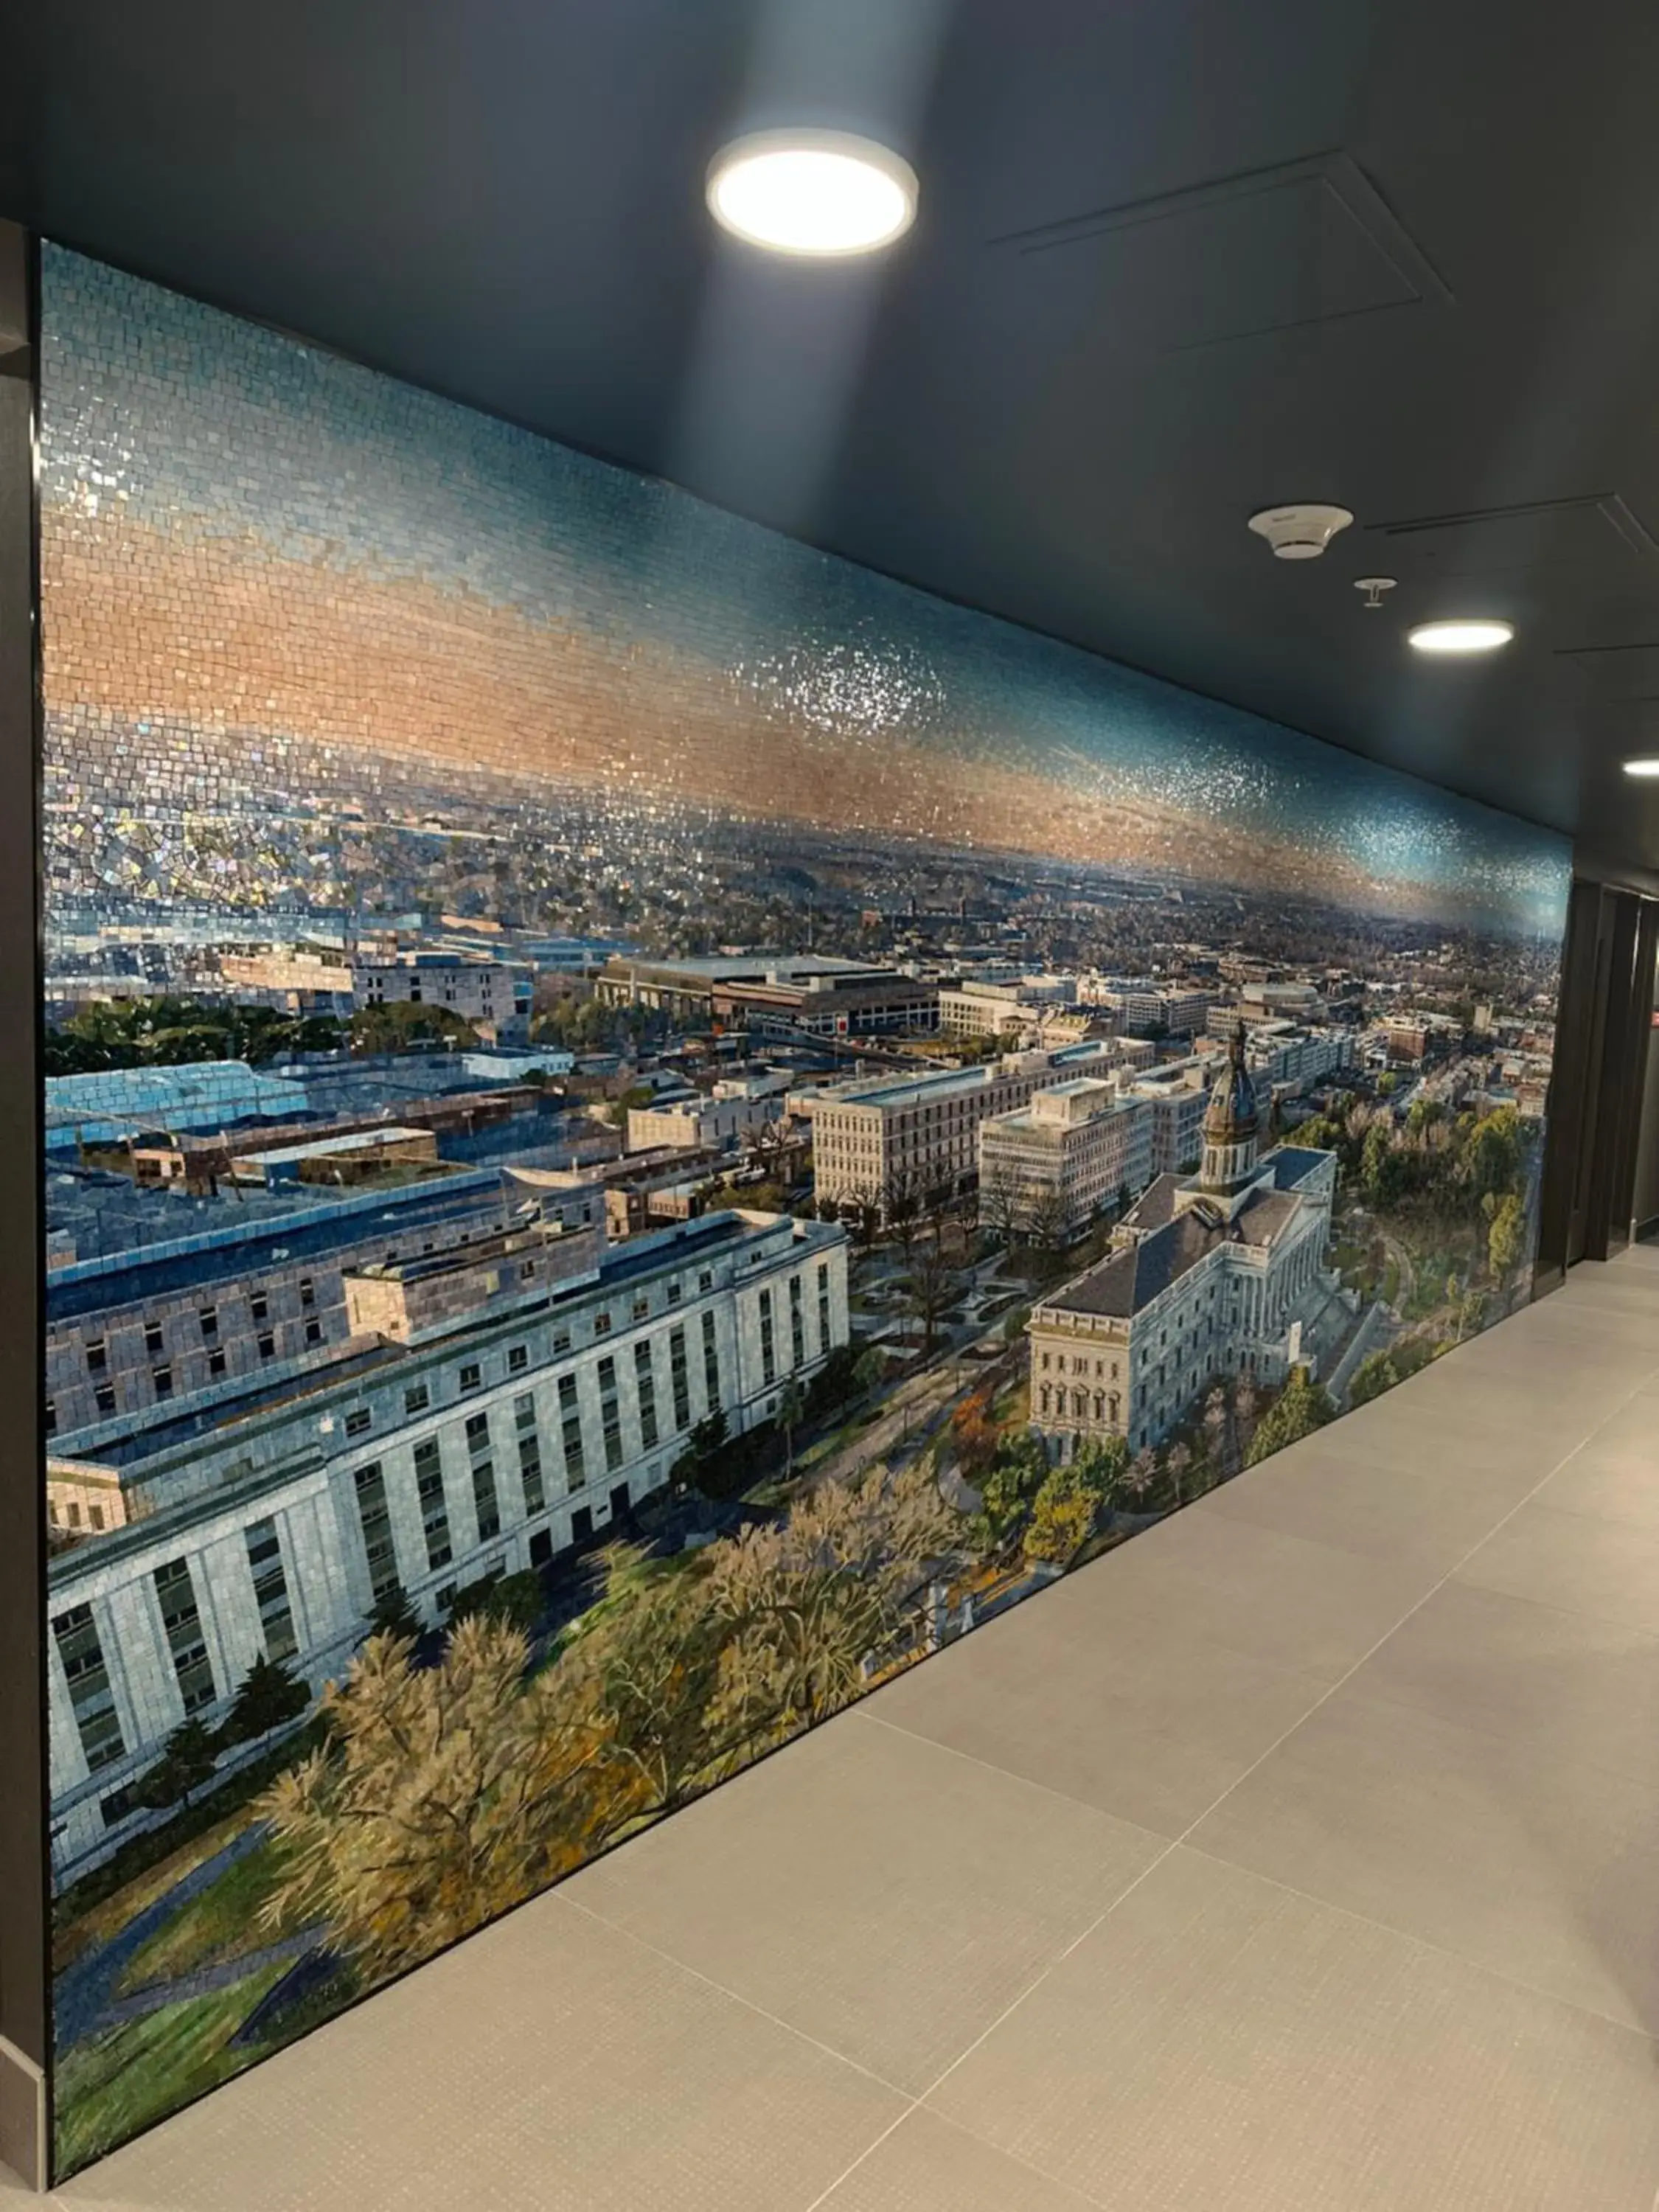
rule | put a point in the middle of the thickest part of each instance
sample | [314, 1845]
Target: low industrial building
[110, 1105]
[257, 1295]
[780, 992]
[701, 1124]
[359, 1156]
[1027, 1008]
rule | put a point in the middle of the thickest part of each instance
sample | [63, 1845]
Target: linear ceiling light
[1481, 636]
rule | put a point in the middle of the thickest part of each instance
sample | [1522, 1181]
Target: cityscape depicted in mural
[643, 1128]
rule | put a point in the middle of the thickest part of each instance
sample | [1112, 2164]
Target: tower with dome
[1212, 1277]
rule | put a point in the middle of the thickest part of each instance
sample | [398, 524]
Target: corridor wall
[412, 1539]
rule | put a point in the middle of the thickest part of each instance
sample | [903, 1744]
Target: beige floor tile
[1588, 1377]
[926, 2165]
[1616, 1482]
[1218, 2045]
[1574, 1560]
[549, 2065]
[1436, 1436]
[1587, 1372]
[1400, 1505]
[1144, 1721]
[1547, 1875]
[879, 1893]
[1549, 1685]
[1611, 1292]
[1260, 1591]
[1594, 1289]
[1629, 1431]
[1579, 1338]
[1474, 1420]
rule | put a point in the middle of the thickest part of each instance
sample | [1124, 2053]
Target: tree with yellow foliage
[449, 1794]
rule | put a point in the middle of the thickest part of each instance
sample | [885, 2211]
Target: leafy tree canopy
[174, 1031]
[406, 1025]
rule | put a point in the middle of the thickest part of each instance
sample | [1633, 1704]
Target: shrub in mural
[643, 1128]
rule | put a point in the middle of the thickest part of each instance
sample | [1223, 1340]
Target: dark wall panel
[23, 1535]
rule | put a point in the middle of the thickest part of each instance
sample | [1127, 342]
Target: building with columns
[1213, 1276]
[480, 1440]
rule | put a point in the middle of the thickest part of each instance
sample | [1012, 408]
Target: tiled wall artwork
[643, 1129]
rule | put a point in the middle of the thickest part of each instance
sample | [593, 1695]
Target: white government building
[499, 1410]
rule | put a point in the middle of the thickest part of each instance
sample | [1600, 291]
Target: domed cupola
[1231, 1123]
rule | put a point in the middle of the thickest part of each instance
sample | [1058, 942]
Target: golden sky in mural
[219, 633]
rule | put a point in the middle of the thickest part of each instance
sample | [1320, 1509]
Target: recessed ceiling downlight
[1647, 765]
[1460, 636]
[817, 192]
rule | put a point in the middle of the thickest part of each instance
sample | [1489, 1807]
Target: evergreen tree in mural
[188, 1762]
[1300, 1407]
[271, 1696]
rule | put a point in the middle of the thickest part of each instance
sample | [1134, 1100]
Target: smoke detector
[1299, 533]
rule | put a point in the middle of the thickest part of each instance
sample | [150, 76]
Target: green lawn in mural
[643, 1129]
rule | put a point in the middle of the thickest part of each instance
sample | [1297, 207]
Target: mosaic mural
[643, 1128]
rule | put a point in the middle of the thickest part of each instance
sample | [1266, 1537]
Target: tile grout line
[913, 2103]
[860, 1711]
[1024, 1781]
[869, 2150]
[1425, 1944]
[800, 2034]
[1176, 1844]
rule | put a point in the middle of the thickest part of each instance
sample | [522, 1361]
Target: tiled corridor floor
[1301, 1856]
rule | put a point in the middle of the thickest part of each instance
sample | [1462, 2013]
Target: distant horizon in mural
[559, 1002]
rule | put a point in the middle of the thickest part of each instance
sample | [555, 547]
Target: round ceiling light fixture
[1646, 764]
[821, 194]
[1299, 533]
[1481, 635]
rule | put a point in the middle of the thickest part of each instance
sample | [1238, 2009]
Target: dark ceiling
[1176, 260]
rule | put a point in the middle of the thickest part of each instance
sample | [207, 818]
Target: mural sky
[541, 613]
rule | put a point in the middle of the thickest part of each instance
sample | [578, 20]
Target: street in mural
[643, 1128]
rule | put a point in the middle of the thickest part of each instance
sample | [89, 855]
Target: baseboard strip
[22, 2116]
